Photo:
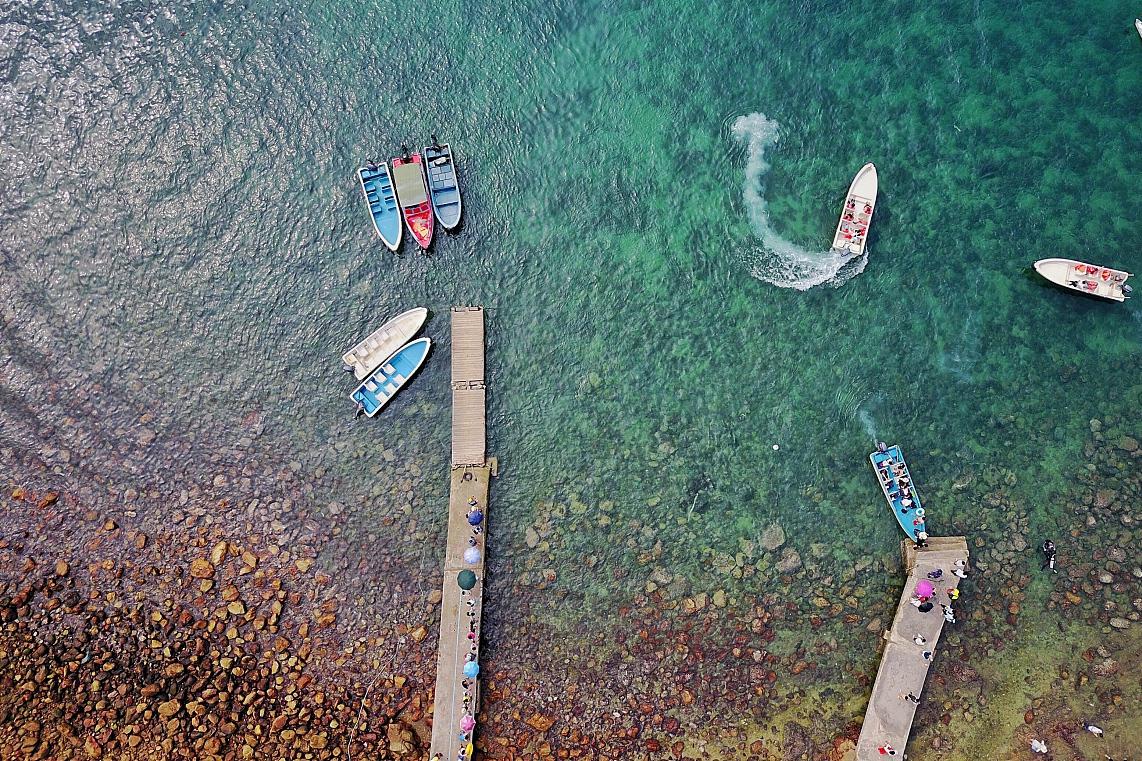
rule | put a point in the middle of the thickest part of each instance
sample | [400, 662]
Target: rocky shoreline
[239, 622]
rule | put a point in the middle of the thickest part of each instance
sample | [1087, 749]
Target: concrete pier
[456, 702]
[903, 669]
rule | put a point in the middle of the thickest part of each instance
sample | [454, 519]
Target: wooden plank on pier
[467, 345]
[468, 434]
[456, 701]
[903, 669]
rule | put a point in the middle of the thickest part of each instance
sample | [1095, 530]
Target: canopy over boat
[372, 395]
[856, 214]
[1091, 279]
[443, 187]
[382, 342]
[899, 489]
[412, 194]
[381, 197]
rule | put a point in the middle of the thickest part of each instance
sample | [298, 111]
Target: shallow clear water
[186, 251]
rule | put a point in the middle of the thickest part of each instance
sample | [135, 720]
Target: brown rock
[201, 568]
[418, 634]
[218, 554]
[236, 608]
[48, 500]
[92, 748]
[169, 708]
[539, 722]
[230, 593]
[61, 568]
[278, 723]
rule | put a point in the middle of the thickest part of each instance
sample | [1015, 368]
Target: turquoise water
[187, 254]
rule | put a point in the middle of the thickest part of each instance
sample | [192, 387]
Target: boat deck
[456, 702]
[903, 668]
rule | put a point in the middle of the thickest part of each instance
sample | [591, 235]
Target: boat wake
[782, 262]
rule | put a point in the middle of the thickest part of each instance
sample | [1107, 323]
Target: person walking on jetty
[919, 639]
[886, 750]
[949, 614]
[1048, 549]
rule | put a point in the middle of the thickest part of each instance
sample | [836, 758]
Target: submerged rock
[790, 561]
[773, 537]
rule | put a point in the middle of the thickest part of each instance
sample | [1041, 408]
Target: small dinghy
[1090, 279]
[381, 197]
[856, 214]
[1138, 26]
[372, 395]
[408, 175]
[898, 488]
[443, 187]
[363, 358]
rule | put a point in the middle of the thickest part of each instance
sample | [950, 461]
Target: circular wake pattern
[782, 262]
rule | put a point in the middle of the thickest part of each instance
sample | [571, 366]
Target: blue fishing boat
[899, 489]
[383, 384]
[443, 188]
[377, 186]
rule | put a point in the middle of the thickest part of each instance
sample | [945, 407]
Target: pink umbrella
[924, 588]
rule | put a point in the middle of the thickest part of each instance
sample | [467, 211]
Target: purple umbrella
[924, 588]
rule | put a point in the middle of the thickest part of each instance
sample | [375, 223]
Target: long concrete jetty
[456, 704]
[903, 667]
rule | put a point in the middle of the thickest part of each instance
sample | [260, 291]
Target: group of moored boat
[420, 187]
[386, 360]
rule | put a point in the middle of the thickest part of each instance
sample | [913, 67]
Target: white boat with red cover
[1091, 279]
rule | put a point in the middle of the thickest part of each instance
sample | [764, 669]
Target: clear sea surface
[647, 190]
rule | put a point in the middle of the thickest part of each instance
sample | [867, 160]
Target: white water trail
[782, 262]
[869, 424]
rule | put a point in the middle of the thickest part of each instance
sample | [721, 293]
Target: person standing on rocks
[1048, 556]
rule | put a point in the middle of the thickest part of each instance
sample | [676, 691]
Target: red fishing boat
[412, 195]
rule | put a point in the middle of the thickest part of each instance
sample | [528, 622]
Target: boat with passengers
[1091, 279]
[856, 214]
[900, 490]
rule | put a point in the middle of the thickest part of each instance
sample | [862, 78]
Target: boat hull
[377, 187]
[905, 506]
[383, 342]
[412, 194]
[391, 376]
[443, 187]
[1083, 277]
[851, 235]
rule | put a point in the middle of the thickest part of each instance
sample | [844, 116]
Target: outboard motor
[347, 368]
[881, 447]
[1127, 289]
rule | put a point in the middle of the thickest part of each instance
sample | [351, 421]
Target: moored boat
[408, 176]
[363, 358]
[856, 213]
[896, 483]
[443, 187]
[384, 382]
[1091, 279]
[1138, 26]
[377, 186]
